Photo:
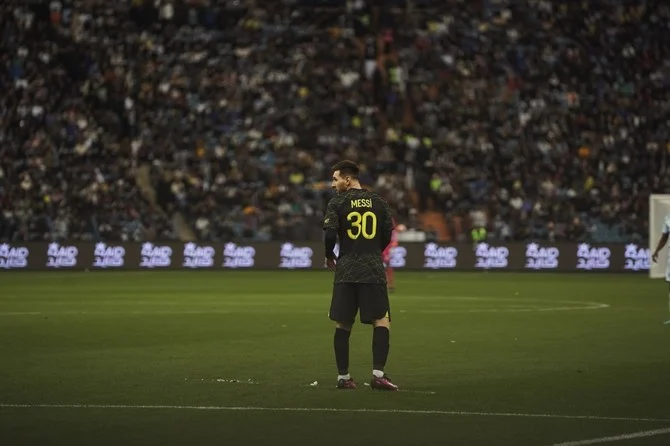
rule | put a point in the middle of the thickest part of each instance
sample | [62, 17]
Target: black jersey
[364, 226]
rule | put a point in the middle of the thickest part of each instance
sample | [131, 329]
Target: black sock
[380, 347]
[341, 343]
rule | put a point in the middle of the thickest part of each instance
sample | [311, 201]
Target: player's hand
[330, 263]
[654, 257]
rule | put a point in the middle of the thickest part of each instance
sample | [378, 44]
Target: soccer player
[387, 258]
[361, 220]
[661, 243]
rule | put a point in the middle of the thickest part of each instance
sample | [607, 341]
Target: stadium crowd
[550, 118]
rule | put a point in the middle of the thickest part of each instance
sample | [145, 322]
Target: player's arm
[331, 224]
[386, 227]
[663, 240]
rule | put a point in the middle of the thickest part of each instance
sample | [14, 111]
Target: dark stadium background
[135, 150]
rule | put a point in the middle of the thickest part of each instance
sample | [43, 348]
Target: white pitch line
[328, 409]
[595, 306]
[229, 307]
[631, 436]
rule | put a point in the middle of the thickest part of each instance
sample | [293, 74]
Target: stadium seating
[214, 120]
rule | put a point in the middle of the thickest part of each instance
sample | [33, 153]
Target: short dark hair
[347, 168]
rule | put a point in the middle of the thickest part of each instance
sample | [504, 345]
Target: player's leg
[381, 337]
[376, 310]
[343, 309]
[668, 321]
[341, 344]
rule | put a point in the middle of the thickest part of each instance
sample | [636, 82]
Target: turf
[484, 344]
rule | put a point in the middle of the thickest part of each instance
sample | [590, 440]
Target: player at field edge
[362, 222]
[661, 244]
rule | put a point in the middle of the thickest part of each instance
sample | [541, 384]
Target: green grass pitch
[145, 358]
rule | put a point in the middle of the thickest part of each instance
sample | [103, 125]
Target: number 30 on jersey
[364, 224]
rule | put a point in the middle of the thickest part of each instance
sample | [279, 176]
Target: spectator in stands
[219, 120]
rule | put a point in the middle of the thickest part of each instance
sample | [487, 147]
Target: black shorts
[371, 298]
